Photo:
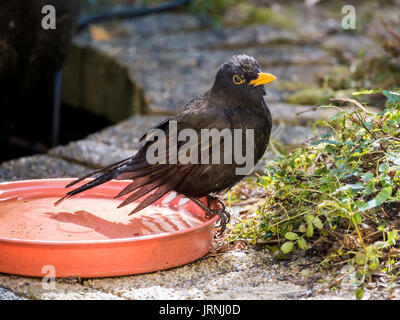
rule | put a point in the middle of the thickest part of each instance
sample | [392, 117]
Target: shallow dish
[87, 236]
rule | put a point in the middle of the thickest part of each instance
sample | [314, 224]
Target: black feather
[225, 106]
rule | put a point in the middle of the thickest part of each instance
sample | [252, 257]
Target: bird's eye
[237, 80]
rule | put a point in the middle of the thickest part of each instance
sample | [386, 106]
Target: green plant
[339, 195]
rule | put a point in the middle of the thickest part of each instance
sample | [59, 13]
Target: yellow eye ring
[237, 80]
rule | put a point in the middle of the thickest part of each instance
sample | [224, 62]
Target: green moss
[311, 96]
[378, 72]
[338, 77]
[291, 85]
[211, 8]
[264, 15]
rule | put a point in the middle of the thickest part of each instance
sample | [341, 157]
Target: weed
[339, 196]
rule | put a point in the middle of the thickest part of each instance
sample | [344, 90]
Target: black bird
[235, 101]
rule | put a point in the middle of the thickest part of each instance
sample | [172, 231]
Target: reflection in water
[110, 229]
[88, 219]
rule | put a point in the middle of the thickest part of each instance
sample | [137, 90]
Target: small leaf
[291, 236]
[318, 223]
[370, 187]
[340, 164]
[392, 237]
[374, 264]
[316, 142]
[392, 97]
[336, 143]
[385, 180]
[383, 167]
[273, 248]
[287, 247]
[353, 187]
[361, 259]
[368, 176]
[361, 205]
[383, 195]
[370, 205]
[302, 243]
[302, 228]
[309, 218]
[325, 135]
[357, 218]
[310, 230]
[359, 293]
[395, 160]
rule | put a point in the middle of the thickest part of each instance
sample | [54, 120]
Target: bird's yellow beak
[262, 78]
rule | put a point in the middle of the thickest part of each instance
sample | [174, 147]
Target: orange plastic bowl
[87, 236]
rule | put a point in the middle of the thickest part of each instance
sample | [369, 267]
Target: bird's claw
[224, 220]
[224, 216]
[210, 212]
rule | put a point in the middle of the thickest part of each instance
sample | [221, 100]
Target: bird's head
[241, 75]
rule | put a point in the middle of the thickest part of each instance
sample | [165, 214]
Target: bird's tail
[156, 180]
[107, 174]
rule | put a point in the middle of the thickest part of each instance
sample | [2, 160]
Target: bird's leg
[225, 216]
[213, 201]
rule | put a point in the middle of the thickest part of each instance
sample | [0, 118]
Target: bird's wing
[160, 178]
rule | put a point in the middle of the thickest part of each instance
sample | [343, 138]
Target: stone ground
[169, 59]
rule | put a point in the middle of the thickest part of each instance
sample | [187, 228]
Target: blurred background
[120, 58]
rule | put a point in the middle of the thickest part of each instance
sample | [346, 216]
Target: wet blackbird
[235, 101]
